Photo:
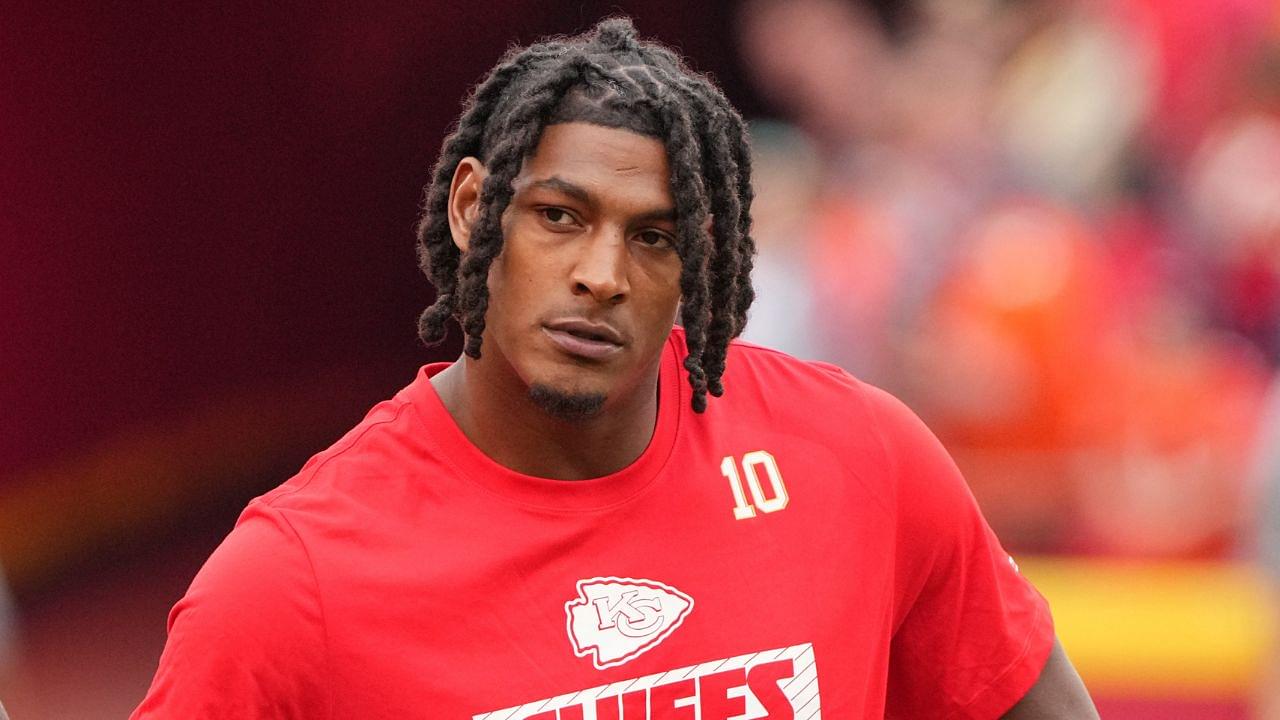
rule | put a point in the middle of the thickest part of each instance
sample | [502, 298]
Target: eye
[656, 239]
[556, 216]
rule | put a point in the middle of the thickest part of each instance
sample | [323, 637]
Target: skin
[1059, 694]
[590, 234]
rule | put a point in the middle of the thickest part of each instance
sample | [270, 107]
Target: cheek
[504, 295]
[495, 279]
[670, 288]
[663, 310]
[519, 286]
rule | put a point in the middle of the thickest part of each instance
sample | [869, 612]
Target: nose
[601, 268]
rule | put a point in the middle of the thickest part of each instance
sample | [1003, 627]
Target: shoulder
[805, 393]
[374, 446]
[875, 434]
[248, 639]
[814, 410]
[261, 564]
[784, 368]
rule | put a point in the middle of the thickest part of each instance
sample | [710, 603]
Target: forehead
[609, 163]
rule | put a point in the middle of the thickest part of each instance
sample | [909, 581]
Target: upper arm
[248, 638]
[970, 634]
[1058, 694]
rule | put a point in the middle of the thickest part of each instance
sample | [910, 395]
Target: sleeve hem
[1017, 679]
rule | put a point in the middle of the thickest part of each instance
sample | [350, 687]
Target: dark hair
[607, 77]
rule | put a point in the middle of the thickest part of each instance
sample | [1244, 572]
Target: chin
[568, 404]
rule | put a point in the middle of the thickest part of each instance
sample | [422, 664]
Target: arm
[1058, 694]
[972, 636]
[247, 641]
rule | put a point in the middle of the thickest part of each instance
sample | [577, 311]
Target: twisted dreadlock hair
[608, 77]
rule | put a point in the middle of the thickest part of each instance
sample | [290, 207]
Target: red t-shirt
[804, 547]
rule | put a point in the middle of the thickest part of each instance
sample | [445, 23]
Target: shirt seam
[1013, 665]
[324, 621]
[286, 491]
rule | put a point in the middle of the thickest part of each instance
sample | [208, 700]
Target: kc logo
[616, 619]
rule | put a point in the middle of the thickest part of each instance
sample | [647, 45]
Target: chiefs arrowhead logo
[616, 619]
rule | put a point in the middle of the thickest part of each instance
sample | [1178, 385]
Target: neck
[496, 414]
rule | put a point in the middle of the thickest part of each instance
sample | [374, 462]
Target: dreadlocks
[606, 77]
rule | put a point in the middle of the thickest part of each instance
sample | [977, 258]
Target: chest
[747, 584]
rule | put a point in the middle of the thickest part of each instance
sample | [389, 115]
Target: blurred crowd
[1053, 228]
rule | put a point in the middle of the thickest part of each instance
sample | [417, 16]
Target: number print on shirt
[752, 465]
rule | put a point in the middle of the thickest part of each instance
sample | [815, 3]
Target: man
[560, 525]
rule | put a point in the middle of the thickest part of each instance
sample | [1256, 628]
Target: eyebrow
[576, 192]
[579, 193]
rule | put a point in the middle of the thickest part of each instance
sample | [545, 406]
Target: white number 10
[751, 462]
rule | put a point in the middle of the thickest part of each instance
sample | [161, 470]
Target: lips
[584, 339]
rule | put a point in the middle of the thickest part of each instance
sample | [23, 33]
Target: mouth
[582, 339]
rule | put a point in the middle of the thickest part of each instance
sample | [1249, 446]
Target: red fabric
[403, 574]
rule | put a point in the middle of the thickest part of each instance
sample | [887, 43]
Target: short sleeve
[247, 640]
[971, 635]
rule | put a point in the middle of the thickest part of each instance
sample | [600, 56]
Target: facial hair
[567, 406]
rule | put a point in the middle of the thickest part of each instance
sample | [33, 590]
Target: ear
[464, 199]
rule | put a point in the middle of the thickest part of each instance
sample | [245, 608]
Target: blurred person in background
[8, 626]
[1001, 235]
[905, 160]
[785, 168]
[8, 633]
[1052, 228]
[1233, 184]
[593, 190]
[1264, 543]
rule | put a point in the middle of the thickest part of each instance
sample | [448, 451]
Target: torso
[486, 591]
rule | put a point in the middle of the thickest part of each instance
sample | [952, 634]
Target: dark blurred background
[1052, 227]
